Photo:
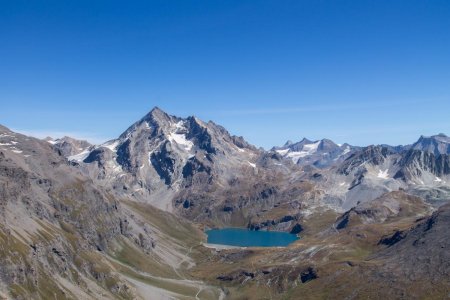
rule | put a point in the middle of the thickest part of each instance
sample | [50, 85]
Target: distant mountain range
[186, 165]
[123, 217]
[323, 153]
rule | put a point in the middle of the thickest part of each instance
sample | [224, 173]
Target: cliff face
[422, 252]
[415, 162]
[436, 144]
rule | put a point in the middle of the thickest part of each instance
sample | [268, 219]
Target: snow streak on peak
[179, 137]
[282, 151]
[111, 145]
[80, 156]
[307, 149]
[346, 150]
[383, 174]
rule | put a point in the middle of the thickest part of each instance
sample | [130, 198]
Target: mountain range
[125, 219]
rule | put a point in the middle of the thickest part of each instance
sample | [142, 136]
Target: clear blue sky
[354, 71]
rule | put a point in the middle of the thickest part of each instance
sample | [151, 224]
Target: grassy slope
[175, 233]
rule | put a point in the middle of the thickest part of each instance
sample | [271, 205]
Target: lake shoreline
[221, 247]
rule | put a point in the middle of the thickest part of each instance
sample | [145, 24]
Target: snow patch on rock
[111, 145]
[383, 174]
[282, 151]
[180, 138]
[346, 150]
[307, 149]
[80, 156]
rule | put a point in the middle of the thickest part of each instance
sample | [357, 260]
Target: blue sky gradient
[360, 72]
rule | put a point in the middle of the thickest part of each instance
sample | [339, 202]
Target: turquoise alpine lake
[249, 238]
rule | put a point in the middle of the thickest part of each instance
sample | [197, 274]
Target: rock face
[421, 253]
[415, 162]
[70, 147]
[436, 144]
[285, 223]
[373, 155]
[308, 275]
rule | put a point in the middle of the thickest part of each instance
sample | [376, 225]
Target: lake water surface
[249, 238]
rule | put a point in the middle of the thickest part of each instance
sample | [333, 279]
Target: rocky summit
[126, 219]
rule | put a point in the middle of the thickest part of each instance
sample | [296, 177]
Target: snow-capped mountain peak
[320, 153]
